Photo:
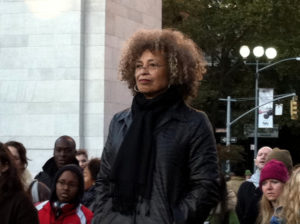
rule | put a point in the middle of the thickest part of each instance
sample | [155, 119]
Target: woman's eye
[152, 65]
[138, 66]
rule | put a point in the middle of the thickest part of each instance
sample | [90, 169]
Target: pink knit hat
[274, 169]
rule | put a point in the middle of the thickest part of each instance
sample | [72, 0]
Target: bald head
[261, 156]
[64, 151]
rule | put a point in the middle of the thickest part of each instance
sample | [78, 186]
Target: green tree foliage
[220, 28]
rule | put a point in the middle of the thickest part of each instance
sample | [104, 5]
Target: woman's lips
[144, 81]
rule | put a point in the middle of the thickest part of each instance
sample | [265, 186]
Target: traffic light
[294, 108]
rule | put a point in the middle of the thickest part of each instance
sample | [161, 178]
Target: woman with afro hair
[159, 163]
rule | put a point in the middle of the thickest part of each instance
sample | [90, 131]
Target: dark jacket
[185, 178]
[18, 209]
[247, 207]
[49, 170]
[88, 198]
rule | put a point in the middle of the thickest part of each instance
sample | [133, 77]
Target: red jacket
[69, 215]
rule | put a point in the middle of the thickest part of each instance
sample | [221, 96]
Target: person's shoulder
[191, 114]
[47, 168]
[247, 187]
[44, 205]
[122, 117]
[41, 176]
[41, 173]
[122, 114]
[247, 184]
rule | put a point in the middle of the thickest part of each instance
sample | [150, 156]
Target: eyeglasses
[150, 67]
[62, 183]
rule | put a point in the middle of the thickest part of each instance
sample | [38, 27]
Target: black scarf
[132, 171]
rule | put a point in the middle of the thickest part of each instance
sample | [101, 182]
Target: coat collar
[50, 166]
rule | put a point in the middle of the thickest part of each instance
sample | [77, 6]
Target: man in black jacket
[64, 153]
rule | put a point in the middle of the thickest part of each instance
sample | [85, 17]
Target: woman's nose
[269, 185]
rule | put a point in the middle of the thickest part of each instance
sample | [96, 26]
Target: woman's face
[16, 158]
[67, 186]
[151, 74]
[82, 160]
[272, 188]
[88, 180]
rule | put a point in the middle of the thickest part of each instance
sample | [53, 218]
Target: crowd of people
[159, 164]
[270, 195]
[260, 198]
[63, 192]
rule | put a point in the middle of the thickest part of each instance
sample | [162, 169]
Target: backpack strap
[35, 191]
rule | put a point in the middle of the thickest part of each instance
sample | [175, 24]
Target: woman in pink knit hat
[273, 177]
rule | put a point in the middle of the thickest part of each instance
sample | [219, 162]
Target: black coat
[49, 170]
[88, 198]
[247, 207]
[185, 178]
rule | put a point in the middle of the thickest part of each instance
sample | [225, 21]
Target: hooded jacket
[53, 211]
[49, 170]
[185, 177]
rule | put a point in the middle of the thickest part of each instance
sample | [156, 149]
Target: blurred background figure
[248, 174]
[66, 193]
[288, 210]
[224, 213]
[273, 177]
[282, 155]
[37, 190]
[90, 175]
[236, 177]
[64, 153]
[18, 151]
[249, 193]
[296, 167]
[82, 157]
[15, 205]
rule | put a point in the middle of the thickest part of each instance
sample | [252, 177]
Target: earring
[135, 89]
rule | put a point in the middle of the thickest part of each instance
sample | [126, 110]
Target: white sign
[265, 112]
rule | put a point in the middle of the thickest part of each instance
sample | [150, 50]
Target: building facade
[59, 69]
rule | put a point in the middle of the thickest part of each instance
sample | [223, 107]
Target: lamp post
[258, 52]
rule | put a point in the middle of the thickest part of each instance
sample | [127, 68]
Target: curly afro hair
[186, 63]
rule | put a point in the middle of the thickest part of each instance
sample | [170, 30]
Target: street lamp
[258, 52]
